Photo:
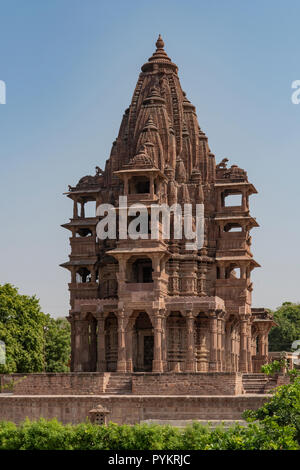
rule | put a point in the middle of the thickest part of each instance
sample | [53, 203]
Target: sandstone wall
[128, 409]
[204, 383]
[82, 383]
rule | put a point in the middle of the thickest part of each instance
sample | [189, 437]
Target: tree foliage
[287, 318]
[22, 330]
[283, 409]
[52, 435]
[34, 342]
[58, 346]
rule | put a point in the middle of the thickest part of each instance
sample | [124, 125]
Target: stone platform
[133, 398]
[129, 409]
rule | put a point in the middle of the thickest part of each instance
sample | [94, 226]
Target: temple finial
[160, 43]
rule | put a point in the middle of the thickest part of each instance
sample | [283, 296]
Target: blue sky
[70, 69]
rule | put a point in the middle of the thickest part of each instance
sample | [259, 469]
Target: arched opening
[233, 227]
[233, 200]
[83, 232]
[111, 342]
[176, 341]
[88, 209]
[233, 272]
[143, 343]
[139, 185]
[83, 275]
[141, 271]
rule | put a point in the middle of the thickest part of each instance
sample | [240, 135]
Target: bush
[52, 435]
[283, 409]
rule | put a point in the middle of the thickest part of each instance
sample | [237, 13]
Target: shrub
[283, 409]
[52, 435]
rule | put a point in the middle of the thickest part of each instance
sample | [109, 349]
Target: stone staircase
[119, 384]
[258, 383]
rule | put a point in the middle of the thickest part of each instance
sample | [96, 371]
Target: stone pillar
[75, 210]
[213, 342]
[190, 354]
[157, 365]
[93, 274]
[129, 349]
[151, 186]
[121, 276]
[82, 213]
[121, 365]
[244, 200]
[228, 348]
[81, 360]
[243, 363]
[101, 361]
[219, 201]
[164, 343]
[249, 348]
[93, 346]
[243, 268]
[219, 344]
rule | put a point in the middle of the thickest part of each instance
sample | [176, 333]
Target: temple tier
[152, 304]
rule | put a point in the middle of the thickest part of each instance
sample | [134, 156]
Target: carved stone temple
[151, 305]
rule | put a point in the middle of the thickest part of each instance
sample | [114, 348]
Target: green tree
[34, 342]
[58, 344]
[283, 409]
[22, 331]
[287, 318]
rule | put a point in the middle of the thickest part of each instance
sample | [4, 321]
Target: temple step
[258, 383]
[119, 384]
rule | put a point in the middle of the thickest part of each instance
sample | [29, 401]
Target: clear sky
[70, 68]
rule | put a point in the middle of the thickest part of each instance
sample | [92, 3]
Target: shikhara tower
[150, 305]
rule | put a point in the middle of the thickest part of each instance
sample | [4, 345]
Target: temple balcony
[233, 282]
[144, 198]
[84, 290]
[83, 246]
[139, 286]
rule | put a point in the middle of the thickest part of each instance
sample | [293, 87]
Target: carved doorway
[143, 343]
[148, 352]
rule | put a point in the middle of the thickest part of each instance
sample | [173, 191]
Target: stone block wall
[79, 383]
[204, 383]
[127, 409]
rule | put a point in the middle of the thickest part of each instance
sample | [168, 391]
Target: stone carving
[142, 305]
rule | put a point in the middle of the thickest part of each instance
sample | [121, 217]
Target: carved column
[101, 361]
[75, 210]
[223, 344]
[81, 346]
[93, 345]
[190, 355]
[121, 366]
[82, 212]
[243, 363]
[213, 342]
[219, 344]
[151, 186]
[164, 343]
[157, 365]
[249, 348]
[129, 337]
[228, 348]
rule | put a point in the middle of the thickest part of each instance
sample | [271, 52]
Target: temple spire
[160, 43]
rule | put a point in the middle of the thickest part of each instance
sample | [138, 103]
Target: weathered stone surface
[152, 305]
[129, 409]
